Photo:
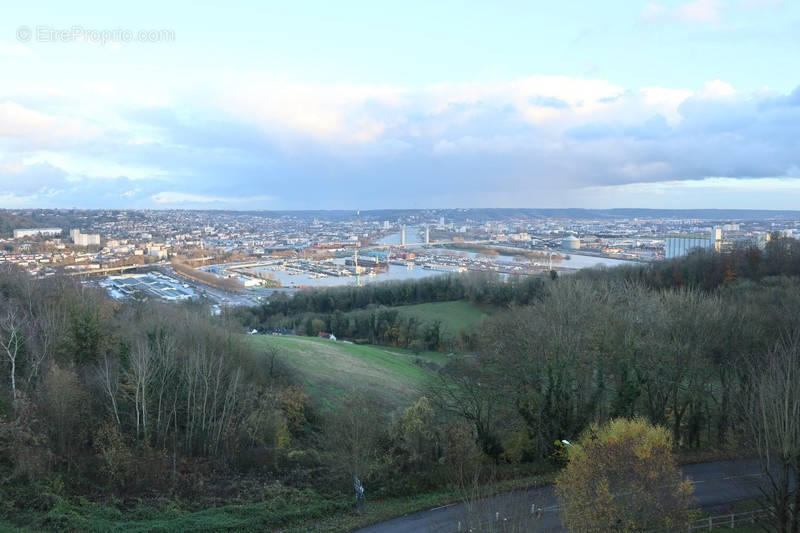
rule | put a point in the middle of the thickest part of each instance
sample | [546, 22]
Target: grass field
[329, 369]
[455, 316]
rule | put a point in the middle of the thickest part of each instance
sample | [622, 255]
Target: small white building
[34, 232]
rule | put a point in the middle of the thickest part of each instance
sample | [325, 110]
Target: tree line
[131, 396]
[709, 270]
[102, 399]
[380, 325]
[475, 287]
[366, 314]
[705, 346]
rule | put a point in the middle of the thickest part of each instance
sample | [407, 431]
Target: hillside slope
[331, 369]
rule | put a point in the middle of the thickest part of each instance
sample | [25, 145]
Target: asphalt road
[715, 484]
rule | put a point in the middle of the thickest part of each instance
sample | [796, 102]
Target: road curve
[715, 484]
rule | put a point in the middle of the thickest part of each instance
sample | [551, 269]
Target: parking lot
[153, 284]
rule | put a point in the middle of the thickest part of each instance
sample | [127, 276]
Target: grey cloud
[29, 179]
[544, 101]
[492, 155]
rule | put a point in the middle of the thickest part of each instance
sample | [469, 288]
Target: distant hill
[11, 219]
[84, 218]
[483, 214]
[9, 222]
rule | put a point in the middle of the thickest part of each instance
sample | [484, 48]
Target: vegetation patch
[454, 316]
[330, 370]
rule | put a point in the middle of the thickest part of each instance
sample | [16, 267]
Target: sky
[413, 104]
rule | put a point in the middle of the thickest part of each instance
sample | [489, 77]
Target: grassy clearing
[329, 369]
[455, 316]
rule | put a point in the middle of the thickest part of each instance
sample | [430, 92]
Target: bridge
[422, 244]
[119, 268]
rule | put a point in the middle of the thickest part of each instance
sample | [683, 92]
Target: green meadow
[331, 369]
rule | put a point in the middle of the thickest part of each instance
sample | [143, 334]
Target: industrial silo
[571, 243]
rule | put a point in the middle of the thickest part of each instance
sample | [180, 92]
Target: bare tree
[165, 346]
[45, 328]
[354, 431]
[773, 414]
[470, 392]
[11, 341]
[209, 385]
[142, 365]
[107, 375]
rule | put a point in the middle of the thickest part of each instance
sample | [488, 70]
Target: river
[415, 235]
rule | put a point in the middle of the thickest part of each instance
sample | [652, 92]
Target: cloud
[704, 11]
[345, 113]
[342, 115]
[777, 193]
[174, 197]
[759, 4]
[654, 11]
[31, 179]
[276, 145]
[35, 129]
[717, 89]
[693, 12]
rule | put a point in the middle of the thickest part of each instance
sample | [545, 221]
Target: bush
[622, 476]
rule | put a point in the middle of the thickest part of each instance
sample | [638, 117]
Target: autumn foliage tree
[622, 476]
[419, 433]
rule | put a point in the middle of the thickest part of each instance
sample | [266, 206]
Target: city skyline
[358, 107]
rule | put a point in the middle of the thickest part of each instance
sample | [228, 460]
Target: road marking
[743, 475]
[693, 482]
[443, 506]
[551, 508]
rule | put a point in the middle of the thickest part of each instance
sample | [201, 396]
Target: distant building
[35, 232]
[761, 240]
[571, 243]
[381, 255]
[248, 281]
[84, 239]
[680, 245]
